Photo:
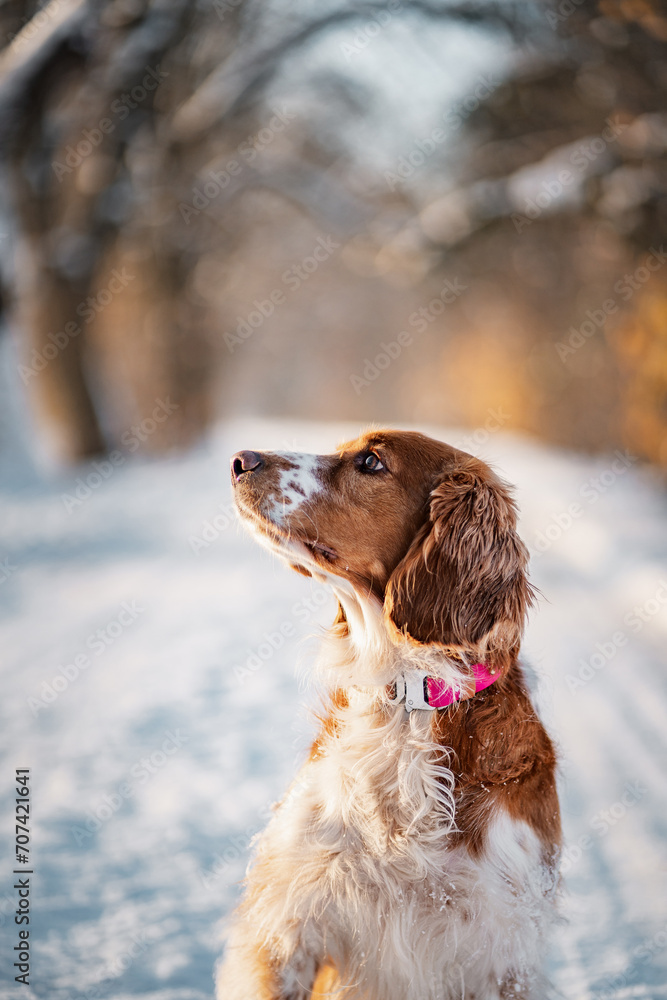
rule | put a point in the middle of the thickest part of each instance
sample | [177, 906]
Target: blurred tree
[131, 132]
[108, 110]
[88, 93]
[560, 211]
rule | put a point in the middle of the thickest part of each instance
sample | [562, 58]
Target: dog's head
[423, 530]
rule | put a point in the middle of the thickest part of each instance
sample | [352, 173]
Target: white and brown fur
[415, 856]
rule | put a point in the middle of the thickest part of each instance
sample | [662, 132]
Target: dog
[416, 855]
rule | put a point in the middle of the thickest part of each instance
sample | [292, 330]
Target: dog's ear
[463, 580]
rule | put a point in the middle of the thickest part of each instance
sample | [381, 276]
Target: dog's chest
[370, 824]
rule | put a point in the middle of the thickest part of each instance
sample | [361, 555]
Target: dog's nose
[245, 461]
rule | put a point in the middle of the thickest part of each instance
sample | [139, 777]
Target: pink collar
[419, 690]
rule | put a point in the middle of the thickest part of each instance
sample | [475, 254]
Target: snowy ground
[153, 767]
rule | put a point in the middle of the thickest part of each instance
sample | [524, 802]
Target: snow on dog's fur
[415, 856]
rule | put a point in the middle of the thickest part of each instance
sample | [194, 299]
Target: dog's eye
[371, 463]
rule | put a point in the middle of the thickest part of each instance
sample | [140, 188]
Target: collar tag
[416, 691]
[420, 691]
[411, 688]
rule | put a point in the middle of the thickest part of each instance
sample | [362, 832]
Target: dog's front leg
[257, 968]
[275, 945]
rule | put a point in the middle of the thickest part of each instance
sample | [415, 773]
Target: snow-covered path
[149, 681]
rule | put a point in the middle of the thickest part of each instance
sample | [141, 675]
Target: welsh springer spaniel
[415, 856]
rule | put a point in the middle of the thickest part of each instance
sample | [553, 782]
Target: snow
[153, 767]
